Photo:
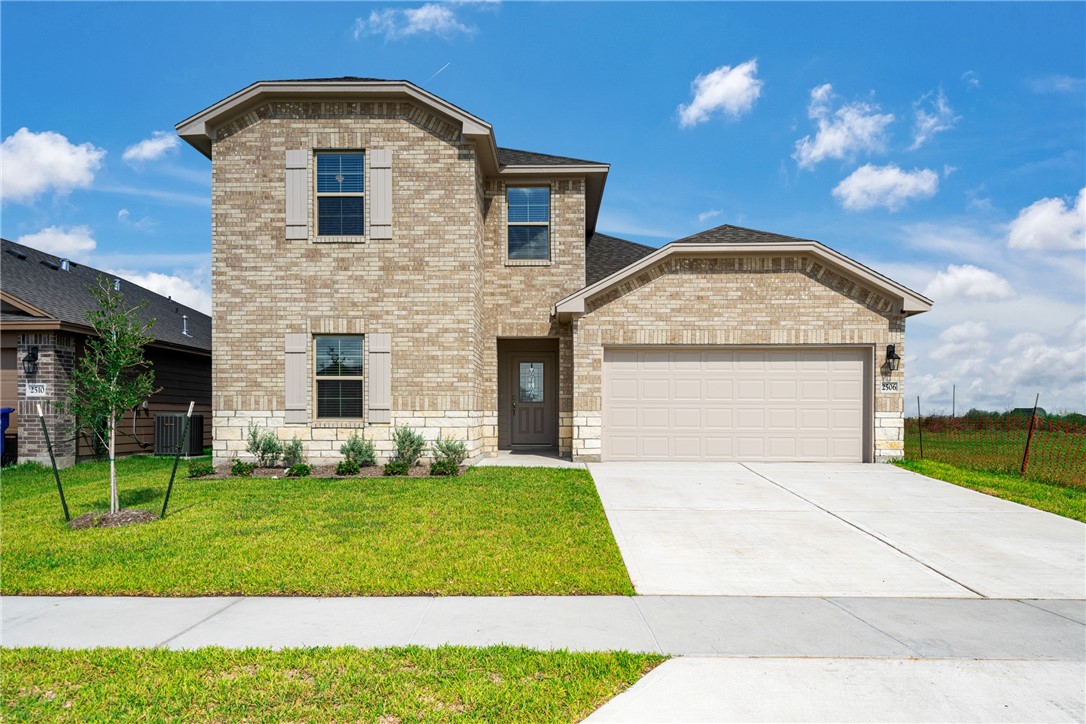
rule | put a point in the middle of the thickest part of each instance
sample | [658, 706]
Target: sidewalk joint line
[418, 624]
[1054, 613]
[656, 643]
[202, 621]
[889, 635]
[867, 532]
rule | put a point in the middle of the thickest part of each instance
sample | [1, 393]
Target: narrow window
[340, 194]
[339, 377]
[529, 222]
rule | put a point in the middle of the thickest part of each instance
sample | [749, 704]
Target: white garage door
[668, 403]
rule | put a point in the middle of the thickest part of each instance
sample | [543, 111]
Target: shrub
[347, 467]
[397, 467]
[359, 449]
[451, 449]
[293, 454]
[299, 470]
[264, 446]
[409, 445]
[200, 468]
[242, 468]
[444, 467]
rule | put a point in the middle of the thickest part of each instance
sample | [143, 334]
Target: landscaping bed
[324, 684]
[323, 471]
[490, 531]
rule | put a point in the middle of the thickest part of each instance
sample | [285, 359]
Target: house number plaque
[37, 389]
[890, 386]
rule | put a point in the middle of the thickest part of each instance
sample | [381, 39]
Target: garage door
[733, 404]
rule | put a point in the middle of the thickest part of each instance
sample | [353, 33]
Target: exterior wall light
[893, 359]
[30, 361]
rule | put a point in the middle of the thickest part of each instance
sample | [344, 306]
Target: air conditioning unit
[169, 427]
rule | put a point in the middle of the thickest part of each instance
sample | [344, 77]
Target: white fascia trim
[911, 302]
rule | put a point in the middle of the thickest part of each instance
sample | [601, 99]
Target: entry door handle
[514, 405]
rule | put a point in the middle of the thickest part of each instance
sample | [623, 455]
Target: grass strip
[1068, 502]
[321, 684]
[491, 531]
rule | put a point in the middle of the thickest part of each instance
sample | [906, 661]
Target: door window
[531, 381]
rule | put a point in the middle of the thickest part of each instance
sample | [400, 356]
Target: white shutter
[379, 347]
[380, 193]
[297, 194]
[297, 377]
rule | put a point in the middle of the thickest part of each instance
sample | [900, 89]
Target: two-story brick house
[379, 260]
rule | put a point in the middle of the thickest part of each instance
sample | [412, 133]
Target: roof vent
[185, 325]
[116, 284]
[65, 264]
[16, 254]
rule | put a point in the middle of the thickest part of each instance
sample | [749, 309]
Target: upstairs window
[341, 193]
[339, 377]
[529, 222]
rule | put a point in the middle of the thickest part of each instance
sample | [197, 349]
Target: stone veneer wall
[750, 300]
[56, 359]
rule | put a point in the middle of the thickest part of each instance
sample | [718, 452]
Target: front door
[533, 395]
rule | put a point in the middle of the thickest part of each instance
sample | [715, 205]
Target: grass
[1068, 502]
[492, 531]
[324, 684]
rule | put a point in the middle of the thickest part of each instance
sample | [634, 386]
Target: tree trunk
[114, 502]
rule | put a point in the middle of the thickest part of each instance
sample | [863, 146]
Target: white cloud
[1050, 224]
[887, 186]
[1058, 84]
[968, 282]
[842, 133]
[971, 79]
[76, 242]
[731, 91]
[151, 149]
[971, 337]
[395, 23]
[710, 214]
[179, 288]
[927, 123]
[144, 224]
[32, 163]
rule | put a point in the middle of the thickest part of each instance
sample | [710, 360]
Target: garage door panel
[734, 404]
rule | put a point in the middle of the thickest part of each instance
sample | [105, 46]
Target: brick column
[56, 357]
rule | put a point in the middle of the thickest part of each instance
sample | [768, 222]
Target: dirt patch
[98, 519]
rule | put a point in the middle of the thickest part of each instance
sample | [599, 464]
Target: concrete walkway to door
[810, 529]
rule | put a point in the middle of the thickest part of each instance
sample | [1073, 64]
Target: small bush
[451, 449]
[347, 467]
[200, 468]
[242, 468]
[264, 446]
[409, 445]
[293, 453]
[299, 470]
[360, 450]
[397, 467]
[444, 467]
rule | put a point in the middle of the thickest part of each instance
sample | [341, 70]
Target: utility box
[169, 427]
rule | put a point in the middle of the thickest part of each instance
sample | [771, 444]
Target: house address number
[890, 386]
[37, 389]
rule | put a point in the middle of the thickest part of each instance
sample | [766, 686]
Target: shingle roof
[513, 157]
[605, 255]
[728, 234]
[35, 278]
[341, 79]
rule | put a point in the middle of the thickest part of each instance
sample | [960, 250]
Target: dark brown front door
[532, 377]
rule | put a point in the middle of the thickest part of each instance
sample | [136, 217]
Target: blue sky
[942, 144]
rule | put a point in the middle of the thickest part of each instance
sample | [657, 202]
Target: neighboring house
[43, 313]
[378, 260]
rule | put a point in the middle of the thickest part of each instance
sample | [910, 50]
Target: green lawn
[1068, 502]
[492, 531]
[325, 684]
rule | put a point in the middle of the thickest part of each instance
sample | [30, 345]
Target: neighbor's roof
[606, 255]
[727, 240]
[39, 291]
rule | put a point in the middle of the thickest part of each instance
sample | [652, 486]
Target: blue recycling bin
[4, 412]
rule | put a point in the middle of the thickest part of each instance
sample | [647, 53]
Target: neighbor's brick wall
[422, 287]
[56, 359]
[750, 300]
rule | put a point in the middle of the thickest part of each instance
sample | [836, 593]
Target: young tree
[112, 376]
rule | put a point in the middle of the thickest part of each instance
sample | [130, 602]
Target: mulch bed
[322, 471]
[98, 519]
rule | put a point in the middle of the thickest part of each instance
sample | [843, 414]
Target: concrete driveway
[808, 529]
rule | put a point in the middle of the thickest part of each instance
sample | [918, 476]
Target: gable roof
[606, 255]
[35, 284]
[514, 157]
[728, 240]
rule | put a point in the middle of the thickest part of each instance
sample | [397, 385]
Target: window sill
[527, 262]
[339, 424]
[338, 239]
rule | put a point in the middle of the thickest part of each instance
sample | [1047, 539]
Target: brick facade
[56, 359]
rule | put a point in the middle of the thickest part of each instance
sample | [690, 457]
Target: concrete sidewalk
[679, 625]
